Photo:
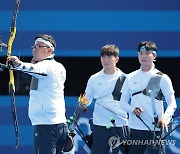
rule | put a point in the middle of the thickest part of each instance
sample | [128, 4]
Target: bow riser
[9, 49]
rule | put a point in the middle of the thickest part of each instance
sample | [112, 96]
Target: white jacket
[46, 104]
[100, 87]
[137, 81]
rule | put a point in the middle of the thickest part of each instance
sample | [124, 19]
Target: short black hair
[149, 45]
[47, 38]
[110, 50]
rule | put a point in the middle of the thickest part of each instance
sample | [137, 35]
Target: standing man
[146, 88]
[104, 87]
[46, 104]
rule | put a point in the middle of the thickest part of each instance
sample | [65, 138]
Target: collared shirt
[100, 87]
[46, 104]
[137, 81]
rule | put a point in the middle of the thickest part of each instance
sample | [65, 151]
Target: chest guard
[117, 89]
[153, 85]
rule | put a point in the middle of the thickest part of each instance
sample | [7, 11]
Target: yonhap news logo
[115, 141]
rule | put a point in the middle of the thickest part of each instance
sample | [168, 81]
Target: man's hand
[14, 60]
[162, 122]
[137, 111]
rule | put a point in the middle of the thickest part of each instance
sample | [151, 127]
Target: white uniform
[137, 81]
[46, 104]
[100, 87]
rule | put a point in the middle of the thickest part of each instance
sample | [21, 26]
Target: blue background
[80, 28]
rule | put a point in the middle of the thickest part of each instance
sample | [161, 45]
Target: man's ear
[117, 59]
[154, 57]
[50, 51]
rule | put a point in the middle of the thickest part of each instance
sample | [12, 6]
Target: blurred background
[80, 29]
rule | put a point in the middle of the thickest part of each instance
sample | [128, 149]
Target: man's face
[109, 62]
[146, 58]
[40, 51]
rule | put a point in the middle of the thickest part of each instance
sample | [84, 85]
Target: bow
[80, 108]
[11, 75]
